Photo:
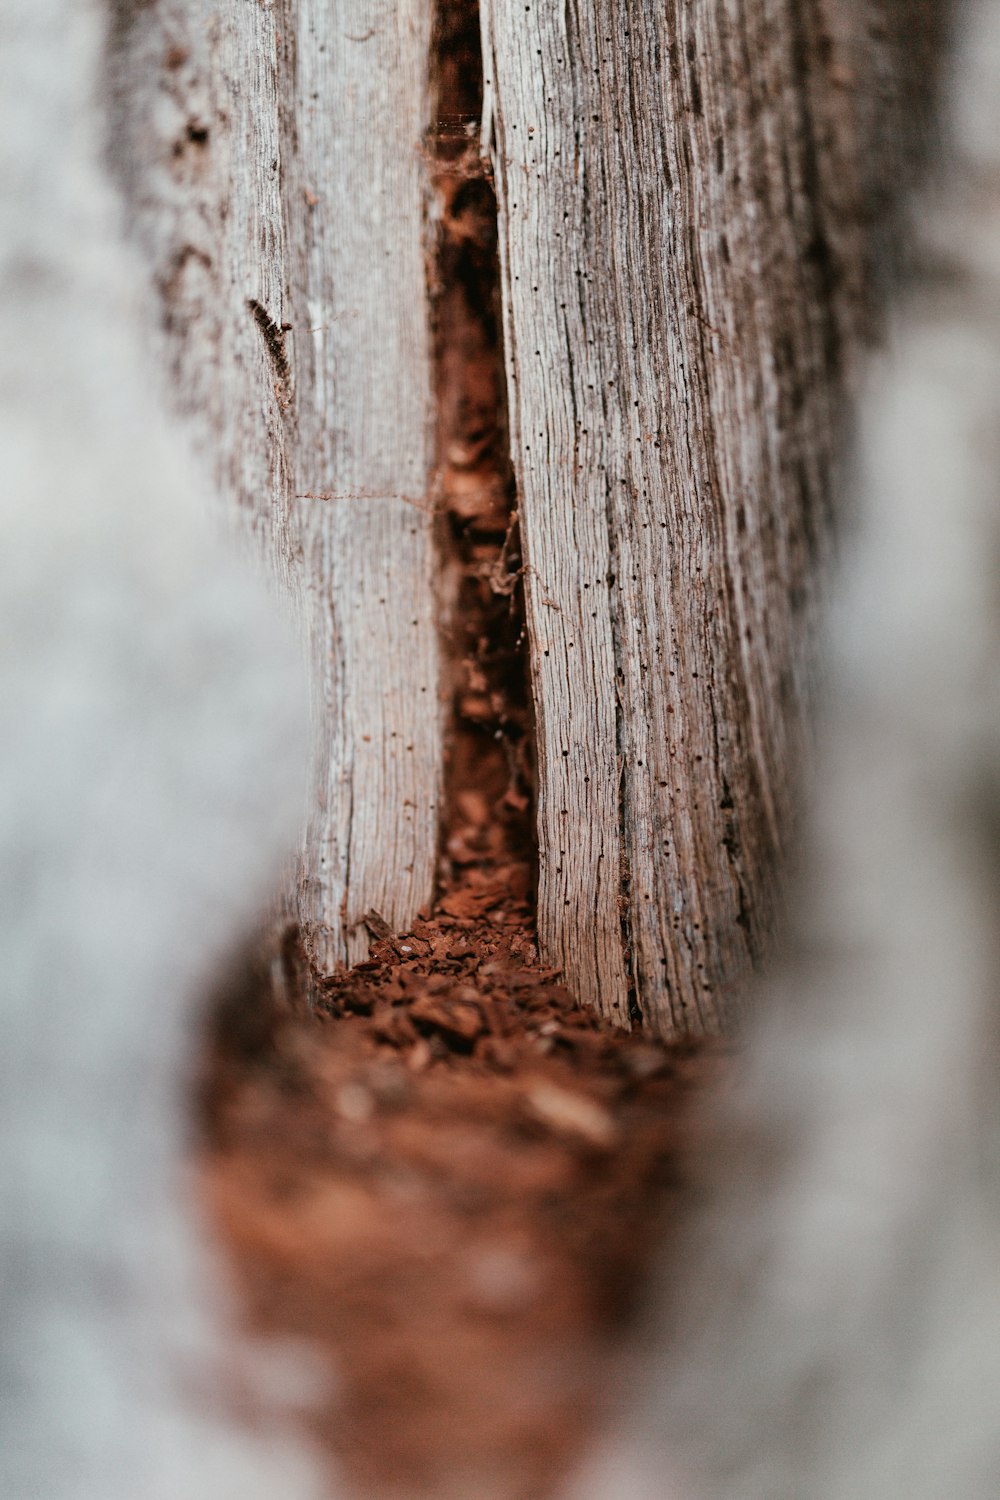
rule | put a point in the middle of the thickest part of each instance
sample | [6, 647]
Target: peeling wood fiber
[685, 260]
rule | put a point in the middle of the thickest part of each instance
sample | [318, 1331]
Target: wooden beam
[272, 158]
[680, 243]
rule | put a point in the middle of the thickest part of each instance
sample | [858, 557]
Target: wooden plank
[683, 265]
[362, 358]
[271, 160]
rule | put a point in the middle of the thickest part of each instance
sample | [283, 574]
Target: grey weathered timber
[362, 368]
[684, 258]
[271, 160]
[834, 1325]
[194, 141]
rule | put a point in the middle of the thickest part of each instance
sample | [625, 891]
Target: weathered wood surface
[834, 1327]
[272, 165]
[683, 250]
[684, 203]
[362, 361]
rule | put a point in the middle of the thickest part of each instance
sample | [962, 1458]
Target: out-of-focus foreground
[829, 1326]
[836, 1333]
[152, 740]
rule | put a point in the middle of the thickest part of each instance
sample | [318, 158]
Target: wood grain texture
[846, 1245]
[272, 166]
[362, 357]
[684, 260]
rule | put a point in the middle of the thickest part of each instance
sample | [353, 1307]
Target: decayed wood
[362, 360]
[683, 257]
[194, 141]
[272, 166]
[835, 1311]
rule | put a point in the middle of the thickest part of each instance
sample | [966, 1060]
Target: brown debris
[451, 1179]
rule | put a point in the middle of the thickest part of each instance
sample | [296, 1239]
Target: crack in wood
[274, 338]
[489, 780]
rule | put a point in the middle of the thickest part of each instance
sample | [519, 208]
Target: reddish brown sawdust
[452, 1181]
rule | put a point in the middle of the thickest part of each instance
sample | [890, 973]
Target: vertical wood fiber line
[356, 205]
[675, 331]
[271, 161]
